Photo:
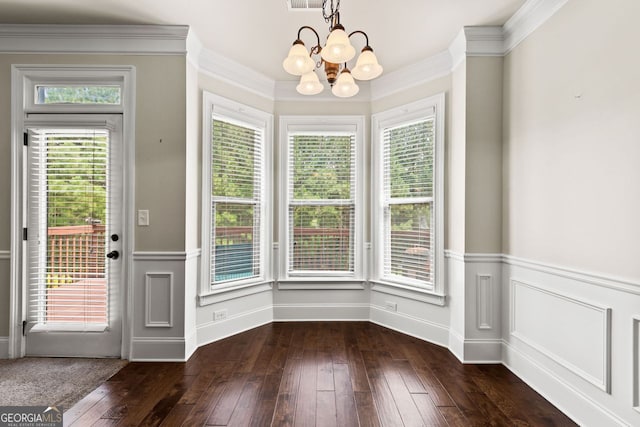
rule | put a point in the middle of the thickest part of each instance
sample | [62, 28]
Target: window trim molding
[234, 111]
[379, 121]
[321, 123]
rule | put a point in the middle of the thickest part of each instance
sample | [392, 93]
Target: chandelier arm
[314, 32]
[366, 37]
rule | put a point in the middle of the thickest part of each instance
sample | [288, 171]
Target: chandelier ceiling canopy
[334, 55]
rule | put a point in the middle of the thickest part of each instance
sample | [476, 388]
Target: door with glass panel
[73, 197]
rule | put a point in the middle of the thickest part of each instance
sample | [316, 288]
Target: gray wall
[160, 166]
[571, 140]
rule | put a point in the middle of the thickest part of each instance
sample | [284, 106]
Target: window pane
[409, 249]
[322, 167]
[109, 95]
[69, 202]
[236, 241]
[321, 238]
[409, 160]
[234, 161]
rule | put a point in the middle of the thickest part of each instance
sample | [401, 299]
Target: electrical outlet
[391, 306]
[219, 315]
[143, 217]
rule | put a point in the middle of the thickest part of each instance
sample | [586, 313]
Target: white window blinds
[408, 161]
[236, 174]
[321, 194]
[68, 223]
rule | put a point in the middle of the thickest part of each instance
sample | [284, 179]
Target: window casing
[235, 187]
[408, 175]
[321, 208]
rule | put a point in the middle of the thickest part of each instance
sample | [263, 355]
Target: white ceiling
[258, 33]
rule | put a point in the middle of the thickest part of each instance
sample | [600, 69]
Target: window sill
[68, 327]
[410, 292]
[320, 284]
[229, 292]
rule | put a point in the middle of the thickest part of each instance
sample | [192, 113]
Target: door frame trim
[21, 76]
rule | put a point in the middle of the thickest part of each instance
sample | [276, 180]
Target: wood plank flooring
[316, 374]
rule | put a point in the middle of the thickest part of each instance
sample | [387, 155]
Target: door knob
[113, 255]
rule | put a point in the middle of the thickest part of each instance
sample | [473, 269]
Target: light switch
[143, 217]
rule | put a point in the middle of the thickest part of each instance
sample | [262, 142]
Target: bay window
[321, 188]
[235, 214]
[408, 202]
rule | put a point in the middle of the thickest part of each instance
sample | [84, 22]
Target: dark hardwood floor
[316, 374]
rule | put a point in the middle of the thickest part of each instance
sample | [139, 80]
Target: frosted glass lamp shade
[309, 84]
[367, 66]
[298, 62]
[345, 86]
[338, 48]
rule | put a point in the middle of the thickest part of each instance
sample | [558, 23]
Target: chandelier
[334, 55]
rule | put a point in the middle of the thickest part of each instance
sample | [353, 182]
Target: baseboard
[409, 325]
[4, 347]
[573, 402]
[158, 349]
[475, 350]
[320, 312]
[214, 331]
[191, 344]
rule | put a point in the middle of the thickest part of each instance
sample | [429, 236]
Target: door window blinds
[67, 226]
[321, 211]
[408, 160]
[236, 174]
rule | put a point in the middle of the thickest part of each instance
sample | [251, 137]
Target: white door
[72, 268]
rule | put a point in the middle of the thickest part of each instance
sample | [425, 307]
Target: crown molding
[527, 19]
[227, 70]
[428, 69]
[93, 39]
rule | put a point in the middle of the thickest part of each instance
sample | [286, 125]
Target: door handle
[113, 255]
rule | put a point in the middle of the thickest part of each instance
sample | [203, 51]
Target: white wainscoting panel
[158, 299]
[216, 330]
[573, 336]
[636, 362]
[159, 330]
[233, 313]
[484, 301]
[158, 349]
[581, 335]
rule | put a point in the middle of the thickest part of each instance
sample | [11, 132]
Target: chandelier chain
[334, 11]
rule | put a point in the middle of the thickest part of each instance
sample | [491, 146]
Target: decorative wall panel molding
[158, 292]
[636, 362]
[572, 332]
[484, 301]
